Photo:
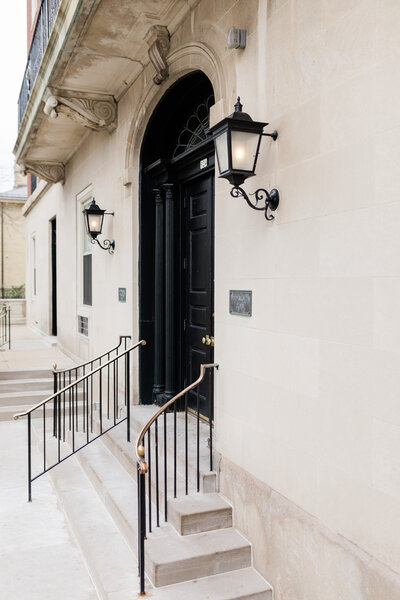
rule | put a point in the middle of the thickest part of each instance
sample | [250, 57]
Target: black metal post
[29, 460]
[54, 404]
[142, 527]
[128, 397]
[9, 328]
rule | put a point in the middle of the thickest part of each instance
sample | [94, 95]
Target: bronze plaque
[240, 302]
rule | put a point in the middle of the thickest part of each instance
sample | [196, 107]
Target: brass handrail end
[144, 343]
[16, 417]
[54, 366]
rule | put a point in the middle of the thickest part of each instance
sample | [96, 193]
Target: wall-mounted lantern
[237, 140]
[94, 217]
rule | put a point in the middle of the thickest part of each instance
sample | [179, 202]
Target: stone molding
[158, 40]
[51, 171]
[94, 113]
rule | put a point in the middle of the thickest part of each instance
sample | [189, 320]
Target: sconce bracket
[270, 199]
[274, 135]
[107, 244]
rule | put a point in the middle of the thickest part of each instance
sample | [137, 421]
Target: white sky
[13, 56]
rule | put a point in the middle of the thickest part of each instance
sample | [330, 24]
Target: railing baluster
[115, 400]
[128, 397]
[70, 419]
[29, 460]
[59, 427]
[174, 449]
[101, 399]
[84, 403]
[87, 410]
[76, 393]
[108, 388]
[64, 411]
[149, 462]
[73, 417]
[210, 412]
[198, 438]
[165, 468]
[91, 399]
[186, 449]
[157, 480]
[116, 385]
[54, 403]
[44, 437]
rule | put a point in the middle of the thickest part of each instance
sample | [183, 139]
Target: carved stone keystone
[53, 172]
[158, 40]
[95, 113]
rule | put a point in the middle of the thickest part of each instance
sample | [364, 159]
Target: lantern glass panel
[244, 150]
[95, 223]
[221, 147]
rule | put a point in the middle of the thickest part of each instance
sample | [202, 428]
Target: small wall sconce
[237, 140]
[94, 217]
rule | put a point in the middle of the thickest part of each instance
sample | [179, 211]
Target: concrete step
[243, 584]
[38, 373]
[198, 513]
[26, 385]
[171, 558]
[109, 560]
[26, 398]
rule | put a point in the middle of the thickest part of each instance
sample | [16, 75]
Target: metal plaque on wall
[240, 302]
[122, 294]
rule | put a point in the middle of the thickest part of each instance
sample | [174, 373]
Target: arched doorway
[176, 247]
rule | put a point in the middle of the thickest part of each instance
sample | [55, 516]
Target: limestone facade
[12, 238]
[307, 412]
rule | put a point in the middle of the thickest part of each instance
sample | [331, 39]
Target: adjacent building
[116, 105]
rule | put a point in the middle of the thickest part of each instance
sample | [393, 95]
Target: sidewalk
[32, 350]
[39, 559]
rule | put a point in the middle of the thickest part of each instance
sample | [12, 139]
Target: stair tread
[234, 585]
[4, 382]
[175, 547]
[109, 558]
[23, 394]
[199, 503]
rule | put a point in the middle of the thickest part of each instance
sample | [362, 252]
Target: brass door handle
[212, 341]
[206, 340]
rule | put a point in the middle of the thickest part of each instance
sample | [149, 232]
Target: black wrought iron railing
[64, 377]
[80, 412]
[44, 24]
[152, 449]
[5, 326]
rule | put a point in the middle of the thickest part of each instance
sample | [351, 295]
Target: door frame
[179, 171]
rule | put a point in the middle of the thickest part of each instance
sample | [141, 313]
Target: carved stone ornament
[96, 114]
[158, 40]
[53, 172]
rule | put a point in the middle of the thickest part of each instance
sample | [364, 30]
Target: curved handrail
[139, 448]
[76, 382]
[61, 371]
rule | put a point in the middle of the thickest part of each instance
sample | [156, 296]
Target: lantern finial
[238, 105]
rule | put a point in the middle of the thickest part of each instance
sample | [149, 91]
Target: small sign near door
[240, 302]
[122, 294]
[203, 163]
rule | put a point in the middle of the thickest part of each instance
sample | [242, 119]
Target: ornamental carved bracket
[53, 172]
[158, 40]
[95, 113]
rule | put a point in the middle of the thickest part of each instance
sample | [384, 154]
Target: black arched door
[176, 271]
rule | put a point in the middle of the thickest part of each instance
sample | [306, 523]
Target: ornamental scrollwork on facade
[94, 113]
[53, 172]
[158, 40]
